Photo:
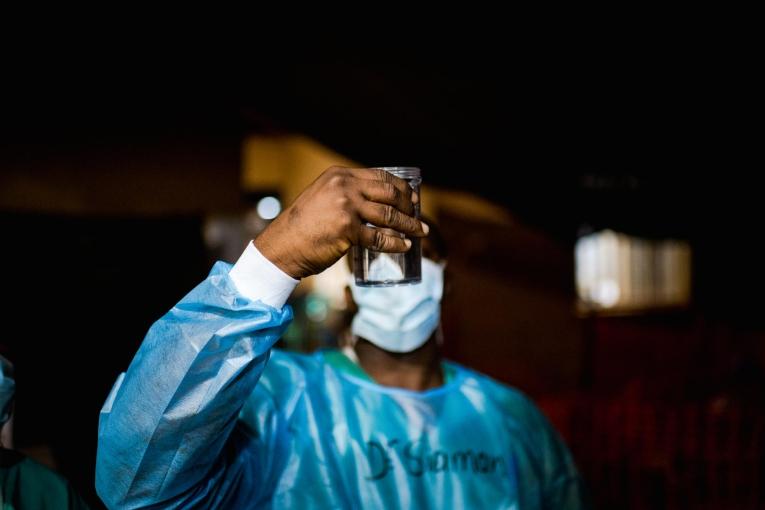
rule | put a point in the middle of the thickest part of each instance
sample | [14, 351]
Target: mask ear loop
[349, 349]
[440, 328]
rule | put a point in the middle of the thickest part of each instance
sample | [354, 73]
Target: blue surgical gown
[208, 415]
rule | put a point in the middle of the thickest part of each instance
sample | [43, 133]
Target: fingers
[387, 193]
[377, 197]
[378, 175]
[379, 240]
[383, 215]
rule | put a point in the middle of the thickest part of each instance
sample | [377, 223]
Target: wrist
[259, 279]
[278, 255]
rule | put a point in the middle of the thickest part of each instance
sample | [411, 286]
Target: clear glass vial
[373, 268]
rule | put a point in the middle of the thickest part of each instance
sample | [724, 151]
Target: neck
[418, 370]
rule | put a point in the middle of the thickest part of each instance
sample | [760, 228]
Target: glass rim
[405, 172]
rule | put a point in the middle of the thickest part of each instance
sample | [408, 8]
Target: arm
[563, 486]
[165, 424]
[564, 489]
[165, 428]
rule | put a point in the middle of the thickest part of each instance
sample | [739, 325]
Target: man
[24, 483]
[209, 416]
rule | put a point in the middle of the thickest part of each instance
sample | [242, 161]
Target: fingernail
[408, 243]
[425, 227]
[415, 197]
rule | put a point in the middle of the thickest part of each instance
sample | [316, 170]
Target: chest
[399, 453]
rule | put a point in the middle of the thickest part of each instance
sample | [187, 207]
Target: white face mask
[401, 318]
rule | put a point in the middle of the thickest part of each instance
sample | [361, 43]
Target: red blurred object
[649, 455]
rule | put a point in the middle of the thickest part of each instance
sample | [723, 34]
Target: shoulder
[517, 410]
[525, 421]
[36, 480]
[285, 379]
[290, 367]
[35, 471]
[503, 395]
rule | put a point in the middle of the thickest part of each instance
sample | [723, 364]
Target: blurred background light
[269, 208]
